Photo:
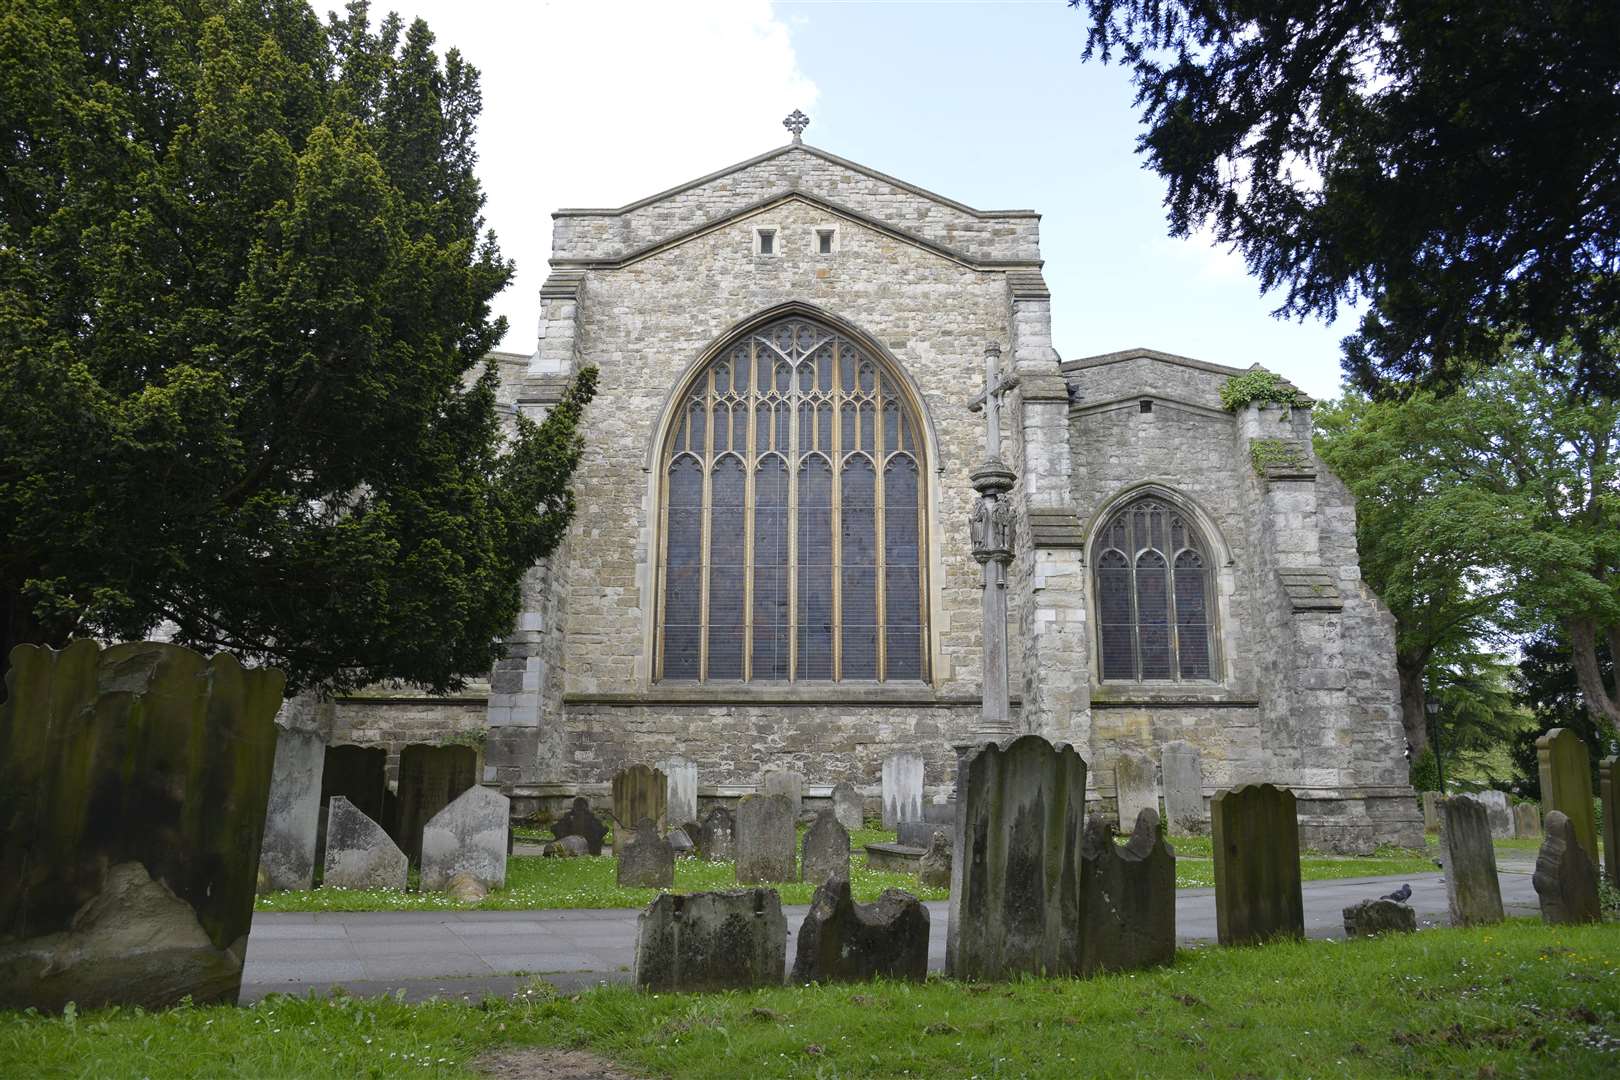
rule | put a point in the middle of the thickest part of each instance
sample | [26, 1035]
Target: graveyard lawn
[1515, 999]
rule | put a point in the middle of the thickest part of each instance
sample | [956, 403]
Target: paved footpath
[473, 953]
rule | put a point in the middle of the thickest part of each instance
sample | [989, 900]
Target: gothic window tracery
[793, 530]
[1154, 596]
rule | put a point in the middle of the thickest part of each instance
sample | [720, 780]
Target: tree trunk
[1409, 667]
[1602, 703]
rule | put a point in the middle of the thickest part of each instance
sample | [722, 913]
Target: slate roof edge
[1104, 359]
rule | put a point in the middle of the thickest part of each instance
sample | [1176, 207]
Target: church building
[772, 563]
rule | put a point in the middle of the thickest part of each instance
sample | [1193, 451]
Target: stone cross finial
[796, 123]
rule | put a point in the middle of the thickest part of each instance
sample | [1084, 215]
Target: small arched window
[1154, 596]
[793, 517]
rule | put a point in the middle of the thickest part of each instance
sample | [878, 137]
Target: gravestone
[1372, 917]
[1256, 847]
[717, 839]
[430, 778]
[1128, 898]
[1431, 811]
[640, 792]
[1134, 789]
[848, 806]
[1566, 784]
[902, 788]
[1472, 889]
[646, 860]
[680, 798]
[1015, 872]
[940, 813]
[711, 941]
[1609, 785]
[1498, 813]
[788, 784]
[1566, 878]
[680, 842]
[581, 821]
[934, 868]
[842, 941]
[359, 852]
[467, 837]
[917, 834]
[764, 839]
[1526, 820]
[293, 814]
[359, 774]
[133, 785]
[1183, 789]
[826, 850]
[568, 847]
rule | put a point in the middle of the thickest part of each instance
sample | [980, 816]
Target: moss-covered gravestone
[1566, 784]
[1257, 882]
[1130, 897]
[640, 792]
[430, 779]
[133, 783]
[1015, 877]
[1566, 877]
[1609, 785]
[1473, 891]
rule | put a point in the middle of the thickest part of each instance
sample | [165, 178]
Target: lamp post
[1433, 709]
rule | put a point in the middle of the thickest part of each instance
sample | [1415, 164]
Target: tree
[244, 315]
[1549, 690]
[1456, 164]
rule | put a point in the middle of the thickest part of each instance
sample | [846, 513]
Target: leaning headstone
[717, 840]
[848, 806]
[711, 941]
[1431, 811]
[133, 784]
[292, 816]
[430, 778]
[1498, 813]
[1015, 873]
[1372, 917]
[1183, 789]
[1566, 878]
[1526, 820]
[934, 868]
[640, 792]
[1472, 889]
[646, 860]
[680, 799]
[788, 784]
[842, 941]
[581, 821]
[1609, 785]
[1134, 789]
[1257, 881]
[1566, 784]
[826, 850]
[359, 853]
[1129, 898]
[764, 838]
[902, 788]
[468, 837]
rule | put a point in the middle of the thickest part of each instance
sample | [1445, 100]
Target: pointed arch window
[793, 517]
[1154, 596]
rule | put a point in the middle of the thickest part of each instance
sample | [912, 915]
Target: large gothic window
[1154, 596]
[793, 502]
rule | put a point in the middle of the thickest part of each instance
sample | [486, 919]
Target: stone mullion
[791, 403]
[750, 472]
[879, 540]
[835, 455]
[706, 456]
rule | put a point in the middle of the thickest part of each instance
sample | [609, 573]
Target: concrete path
[473, 953]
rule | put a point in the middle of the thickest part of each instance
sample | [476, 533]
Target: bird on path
[1400, 895]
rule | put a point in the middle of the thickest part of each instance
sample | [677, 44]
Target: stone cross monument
[992, 533]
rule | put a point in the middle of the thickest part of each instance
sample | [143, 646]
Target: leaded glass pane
[1154, 619]
[683, 570]
[1192, 616]
[815, 629]
[1116, 626]
[727, 569]
[770, 570]
[902, 572]
[1153, 615]
[858, 568]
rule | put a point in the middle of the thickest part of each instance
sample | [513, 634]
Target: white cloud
[600, 103]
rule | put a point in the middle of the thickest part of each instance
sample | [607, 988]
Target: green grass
[1517, 999]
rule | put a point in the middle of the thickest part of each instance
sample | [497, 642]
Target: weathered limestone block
[711, 941]
[1526, 820]
[1566, 784]
[1609, 785]
[1472, 889]
[430, 778]
[1498, 813]
[680, 802]
[133, 786]
[902, 788]
[842, 941]
[640, 792]
[581, 821]
[292, 816]
[646, 860]
[1183, 772]
[1015, 875]
[1129, 898]
[848, 806]
[717, 839]
[788, 784]
[934, 868]
[465, 889]
[1566, 878]
[468, 837]
[1134, 789]
[1372, 917]
[826, 850]
[359, 854]
[764, 839]
[1257, 882]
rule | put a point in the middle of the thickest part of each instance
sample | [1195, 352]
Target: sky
[597, 103]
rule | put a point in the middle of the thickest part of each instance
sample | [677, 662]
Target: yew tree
[245, 289]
